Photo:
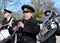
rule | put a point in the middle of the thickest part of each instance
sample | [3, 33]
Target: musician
[52, 39]
[9, 20]
[29, 27]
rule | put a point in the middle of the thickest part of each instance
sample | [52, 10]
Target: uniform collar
[28, 19]
[8, 18]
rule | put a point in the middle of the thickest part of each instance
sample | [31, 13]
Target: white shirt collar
[8, 18]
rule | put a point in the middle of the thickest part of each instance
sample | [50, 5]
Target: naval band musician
[8, 19]
[29, 27]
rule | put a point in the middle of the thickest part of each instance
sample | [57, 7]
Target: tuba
[45, 28]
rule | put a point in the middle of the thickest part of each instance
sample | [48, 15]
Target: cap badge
[25, 9]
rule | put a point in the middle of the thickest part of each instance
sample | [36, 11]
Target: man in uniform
[8, 21]
[28, 26]
[52, 39]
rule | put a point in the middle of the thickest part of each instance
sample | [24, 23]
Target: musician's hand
[10, 24]
[1, 26]
[15, 28]
[20, 24]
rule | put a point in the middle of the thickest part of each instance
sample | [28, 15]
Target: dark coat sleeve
[31, 27]
[4, 21]
[58, 29]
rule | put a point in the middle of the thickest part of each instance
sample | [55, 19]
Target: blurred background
[39, 5]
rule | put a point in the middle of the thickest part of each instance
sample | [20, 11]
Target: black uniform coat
[29, 32]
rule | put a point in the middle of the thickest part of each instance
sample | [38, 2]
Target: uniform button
[19, 34]
[24, 33]
[24, 39]
[18, 39]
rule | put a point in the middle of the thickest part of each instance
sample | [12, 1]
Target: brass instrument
[46, 31]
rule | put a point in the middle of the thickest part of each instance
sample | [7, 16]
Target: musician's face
[27, 15]
[6, 15]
